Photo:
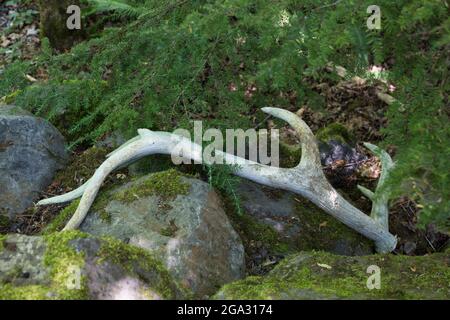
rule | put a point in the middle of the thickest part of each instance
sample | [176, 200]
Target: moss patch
[171, 230]
[4, 221]
[137, 260]
[32, 292]
[256, 231]
[2, 241]
[83, 166]
[322, 275]
[290, 155]
[61, 219]
[324, 230]
[10, 98]
[61, 260]
[336, 132]
[167, 185]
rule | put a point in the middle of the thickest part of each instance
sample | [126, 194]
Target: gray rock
[299, 224]
[190, 232]
[31, 151]
[74, 266]
[409, 247]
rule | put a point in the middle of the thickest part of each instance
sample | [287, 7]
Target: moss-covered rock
[320, 231]
[286, 223]
[73, 265]
[319, 275]
[175, 217]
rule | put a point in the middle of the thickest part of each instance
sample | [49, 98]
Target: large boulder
[179, 219]
[31, 151]
[73, 265]
[319, 275]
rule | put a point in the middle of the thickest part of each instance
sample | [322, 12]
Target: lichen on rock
[73, 265]
[38, 268]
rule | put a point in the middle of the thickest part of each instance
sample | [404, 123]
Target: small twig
[330, 166]
[429, 242]
[262, 122]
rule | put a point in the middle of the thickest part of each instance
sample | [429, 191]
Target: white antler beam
[307, 179]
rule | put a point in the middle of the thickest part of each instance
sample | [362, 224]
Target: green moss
[4, 221]
[134, 259]
[290, 155]
[167, 184]
[304, 276]
[10, 98]
[83, 167]
[32, 292]
[2, 241]
[170, 230]
[105, 216]
[320, 231]
[334, 131]
[324, 230]
[252, 230]
[58, 223]
[61, 260]
[155, 163]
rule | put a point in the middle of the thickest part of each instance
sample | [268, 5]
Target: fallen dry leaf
[323, 224]
[323, 265]
[5, 42]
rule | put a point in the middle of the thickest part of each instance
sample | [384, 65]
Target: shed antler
[306, 179]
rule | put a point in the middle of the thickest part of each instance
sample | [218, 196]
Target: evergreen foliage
[171, 62]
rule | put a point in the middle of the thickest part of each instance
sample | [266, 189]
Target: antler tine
[77, 193]
[386, 162]
[310, 160]
[380, 198]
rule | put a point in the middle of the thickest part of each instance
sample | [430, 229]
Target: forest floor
[351, 104]
[19, 32]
